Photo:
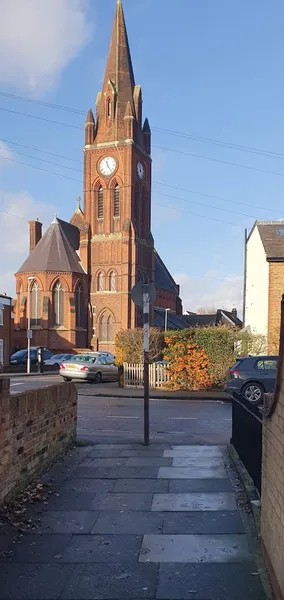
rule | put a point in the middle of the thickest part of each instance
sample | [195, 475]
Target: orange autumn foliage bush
[188, 366]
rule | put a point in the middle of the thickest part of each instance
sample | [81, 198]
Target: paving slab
[209, 582]
[197, 451]
[33, 582]
[181, 486]
[192, 461]
[46, 548]
[88, 485]
[194, 548]
[142, 461]
[104, 462]
[129, 522]
[122, 502]
[97, 581]
[150, 486]
[194, 502]
[63, 500]
[191, 472]
[134, 473]
[202, 523]
[103, 549]
[68, 521]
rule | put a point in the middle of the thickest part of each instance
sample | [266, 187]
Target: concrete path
[128, 522]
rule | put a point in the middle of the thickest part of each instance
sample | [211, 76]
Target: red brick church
[77, 279]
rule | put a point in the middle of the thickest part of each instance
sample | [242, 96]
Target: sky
[212, 80]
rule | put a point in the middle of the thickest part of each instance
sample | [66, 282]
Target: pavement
[129, 522]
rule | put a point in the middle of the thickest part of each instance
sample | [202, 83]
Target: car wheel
[98, 378]
[253, 392]
[67, 379]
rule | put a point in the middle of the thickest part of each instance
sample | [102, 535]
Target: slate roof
[220, 317]
[174, 321]
[56, 251]
[273, 243]
[163, 279]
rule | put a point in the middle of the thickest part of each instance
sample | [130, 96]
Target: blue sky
[207, 69]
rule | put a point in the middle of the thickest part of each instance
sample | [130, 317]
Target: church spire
[119, 68]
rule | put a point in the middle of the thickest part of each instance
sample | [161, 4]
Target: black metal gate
[247, 436]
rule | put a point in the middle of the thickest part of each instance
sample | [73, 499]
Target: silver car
[94, 368]
[57, 359]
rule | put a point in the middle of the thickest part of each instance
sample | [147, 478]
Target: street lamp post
[29, 332]
[166, 318]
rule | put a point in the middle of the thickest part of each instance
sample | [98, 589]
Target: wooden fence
[134, 375]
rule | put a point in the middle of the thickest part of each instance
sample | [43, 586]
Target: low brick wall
[35, 427]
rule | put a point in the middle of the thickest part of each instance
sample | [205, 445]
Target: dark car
[252, 376]
[21, 356]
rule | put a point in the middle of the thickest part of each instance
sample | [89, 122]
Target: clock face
[107, 166]
[140, 170]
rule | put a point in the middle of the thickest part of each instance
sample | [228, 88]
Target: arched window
[103, 328]
[109, 329]
[116, 202]
[58, 304]
[100, 203]
[21, 296]
[101, 282]
[109, 107]
[106, 328]
[35, 304]
[112, 282]
[79, 306]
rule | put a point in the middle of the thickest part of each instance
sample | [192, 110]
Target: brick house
[116, 246]
[264, 280]
[6, 329]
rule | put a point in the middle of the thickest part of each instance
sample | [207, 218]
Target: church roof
[56, 251]
[163, 278]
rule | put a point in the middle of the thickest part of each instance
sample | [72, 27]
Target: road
[113, 420]
[103, 419]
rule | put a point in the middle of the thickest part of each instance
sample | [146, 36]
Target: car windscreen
[19, 354]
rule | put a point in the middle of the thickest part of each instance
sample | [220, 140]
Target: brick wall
[275, 291]
[35, 428]
[272, 499]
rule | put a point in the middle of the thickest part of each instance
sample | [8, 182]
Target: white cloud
[15, 212]
[38, 38]
[213, 292]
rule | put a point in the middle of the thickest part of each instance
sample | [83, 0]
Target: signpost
[143, 295]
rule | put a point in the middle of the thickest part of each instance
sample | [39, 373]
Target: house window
[58, 305]
[101, 282]
[35, 305]
[1, 352]
[1, 314]
[112, 282]
[116, 206]
[79, 306]
[100, 203]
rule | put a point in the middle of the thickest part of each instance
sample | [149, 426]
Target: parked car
[57, 359]
[21, 356]
[100, 353]
[94, 368]
[252, 376]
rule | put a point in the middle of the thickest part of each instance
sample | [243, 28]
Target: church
[74, 289]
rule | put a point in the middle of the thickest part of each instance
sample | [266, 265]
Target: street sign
[137, 293]
[29, 334]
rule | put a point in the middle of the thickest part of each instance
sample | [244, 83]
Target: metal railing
[247, 436]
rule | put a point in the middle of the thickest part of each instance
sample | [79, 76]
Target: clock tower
[117, 247]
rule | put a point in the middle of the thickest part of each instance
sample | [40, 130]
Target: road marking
[13, 384]
[183, 418]
[120, 417]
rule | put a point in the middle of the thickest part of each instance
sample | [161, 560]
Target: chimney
[234, 312]
[35, 233]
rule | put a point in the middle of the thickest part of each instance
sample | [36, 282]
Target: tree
[129, 345]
